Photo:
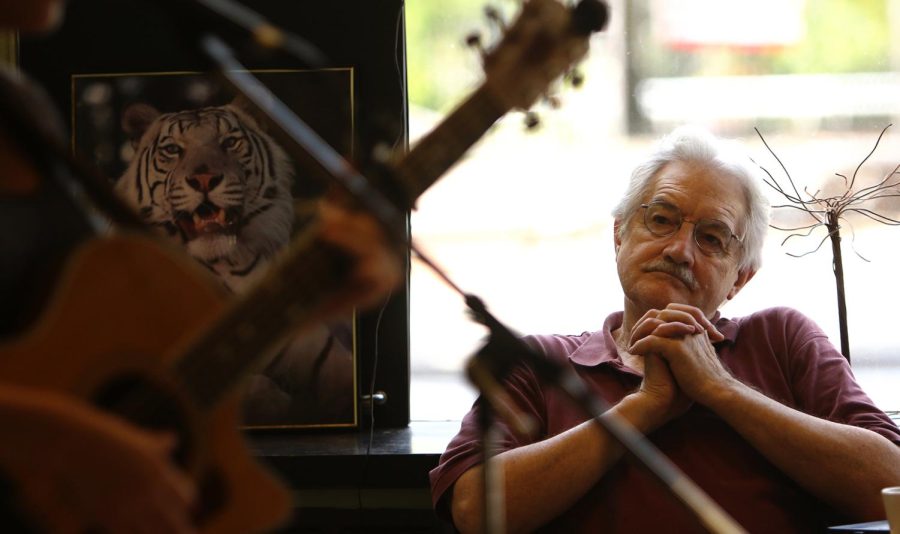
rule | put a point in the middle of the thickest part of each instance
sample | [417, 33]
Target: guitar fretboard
[430, 158]
[309, 271]
[259, 323]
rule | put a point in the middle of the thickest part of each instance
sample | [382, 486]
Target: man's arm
[843, 465]
[544, 479]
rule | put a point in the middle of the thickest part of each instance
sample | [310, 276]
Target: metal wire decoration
[828, 212]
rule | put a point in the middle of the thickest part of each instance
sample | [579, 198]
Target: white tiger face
[213, 180]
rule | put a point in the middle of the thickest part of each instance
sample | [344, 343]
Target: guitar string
[262, 309]
[206, 383]
[200, 376]
[467, 126]
[196, 371]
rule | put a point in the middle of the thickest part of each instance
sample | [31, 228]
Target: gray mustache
[678, 271]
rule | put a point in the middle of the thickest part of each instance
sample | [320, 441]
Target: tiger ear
[136, 119]
[243, 104]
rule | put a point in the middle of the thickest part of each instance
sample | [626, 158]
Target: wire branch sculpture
[828, 212]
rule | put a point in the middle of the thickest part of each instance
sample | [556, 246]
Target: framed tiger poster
[200, 166]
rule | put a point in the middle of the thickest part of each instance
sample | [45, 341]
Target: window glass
[523, 221]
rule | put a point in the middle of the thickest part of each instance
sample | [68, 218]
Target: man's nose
[680, 246]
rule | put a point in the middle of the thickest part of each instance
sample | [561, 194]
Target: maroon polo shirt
[778, 351]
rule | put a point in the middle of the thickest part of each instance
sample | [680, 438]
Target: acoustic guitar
[177, 363]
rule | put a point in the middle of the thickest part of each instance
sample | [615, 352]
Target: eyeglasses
[713, 237]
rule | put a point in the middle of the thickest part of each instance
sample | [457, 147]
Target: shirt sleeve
[823, 381]
[466, 448]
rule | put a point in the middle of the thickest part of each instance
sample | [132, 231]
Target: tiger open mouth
[207, 219]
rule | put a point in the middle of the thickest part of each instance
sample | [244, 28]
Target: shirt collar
[727, 327]
[600, 347]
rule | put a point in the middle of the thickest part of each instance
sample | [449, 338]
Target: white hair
[692, 144]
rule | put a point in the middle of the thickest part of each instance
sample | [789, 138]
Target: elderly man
[761, 411]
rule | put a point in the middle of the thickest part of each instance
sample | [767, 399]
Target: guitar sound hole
[149, 405]
[212, 496]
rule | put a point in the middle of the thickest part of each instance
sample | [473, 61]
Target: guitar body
[124, 310]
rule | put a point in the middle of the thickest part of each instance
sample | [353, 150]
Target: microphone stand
[492, 475]
[263, 32]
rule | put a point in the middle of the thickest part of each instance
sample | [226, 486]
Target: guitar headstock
[541, 45]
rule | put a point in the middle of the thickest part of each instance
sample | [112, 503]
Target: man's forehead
[702, 188]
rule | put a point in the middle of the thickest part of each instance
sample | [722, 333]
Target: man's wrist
[643, 411]
[722, 393]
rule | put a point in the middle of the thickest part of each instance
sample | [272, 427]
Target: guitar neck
[260, 323]
[309, 271]
[430, 158]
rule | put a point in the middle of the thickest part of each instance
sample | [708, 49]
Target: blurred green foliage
[440, 65]
[840, 36]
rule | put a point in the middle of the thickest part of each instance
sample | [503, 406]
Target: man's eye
[662, 220]
[713, 240]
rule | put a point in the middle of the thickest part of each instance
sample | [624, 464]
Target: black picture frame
[109, 37]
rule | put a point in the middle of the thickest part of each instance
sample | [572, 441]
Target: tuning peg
[493, 15]
[553, 101]
[532, 120]
[473, 40]
[575, 77]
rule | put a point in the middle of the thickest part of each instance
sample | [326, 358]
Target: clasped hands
[680, 363]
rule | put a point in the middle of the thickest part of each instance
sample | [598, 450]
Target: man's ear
[617, 241]
[744, 276]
